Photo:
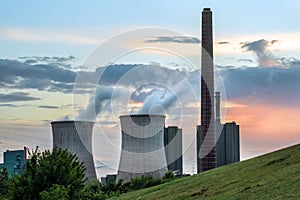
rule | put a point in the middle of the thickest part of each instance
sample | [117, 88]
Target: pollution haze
[98, 60]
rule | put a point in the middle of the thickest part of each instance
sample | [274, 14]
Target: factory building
[14, 161]
[228, 134]
[228, 145]
[173, 149]
[76, 137]
[142, 147]
[206, 149]
[107, 178]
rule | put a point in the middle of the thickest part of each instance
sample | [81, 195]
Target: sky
[60, 60]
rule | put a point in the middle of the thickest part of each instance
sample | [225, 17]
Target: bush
[169, 175]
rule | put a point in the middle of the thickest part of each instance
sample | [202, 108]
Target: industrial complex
[148, 147]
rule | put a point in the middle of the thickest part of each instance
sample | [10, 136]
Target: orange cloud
[265, 127]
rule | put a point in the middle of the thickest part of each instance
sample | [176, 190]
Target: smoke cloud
[97, 102]
[158, 102]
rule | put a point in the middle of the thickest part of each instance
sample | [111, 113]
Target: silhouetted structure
[173, 149]
[207, 138]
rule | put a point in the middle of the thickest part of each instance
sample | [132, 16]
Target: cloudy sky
[99, 59]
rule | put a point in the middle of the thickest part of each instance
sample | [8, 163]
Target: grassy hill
[272, 176]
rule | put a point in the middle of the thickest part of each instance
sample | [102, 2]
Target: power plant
[147, 146]
[76, 137]
[142, 147]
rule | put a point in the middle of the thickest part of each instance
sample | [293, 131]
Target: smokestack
[76, 137]
[208, 145]
[218, 118]
[142, 147]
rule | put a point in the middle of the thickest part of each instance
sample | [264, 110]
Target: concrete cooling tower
[76, 137]
[142, 147]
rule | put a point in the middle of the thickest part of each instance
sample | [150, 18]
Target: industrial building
[228, 143]
[107, 178]
[206, 149]
[14, 161]
[76, 137]
[142, 147]
[173, 149]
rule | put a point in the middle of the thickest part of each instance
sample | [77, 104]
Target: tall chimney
[218, 118]
[207, 152]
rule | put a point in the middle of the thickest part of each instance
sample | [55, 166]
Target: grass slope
[272, 176]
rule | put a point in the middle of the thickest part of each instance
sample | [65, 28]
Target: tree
[55, 172]
[55, 192]
[92, 191]
[4, 182]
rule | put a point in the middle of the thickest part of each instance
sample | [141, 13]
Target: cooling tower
[76, 137]
[142, 147]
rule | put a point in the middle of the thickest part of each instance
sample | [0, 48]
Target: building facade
[14, 161]
[228, 145]
[173, 149]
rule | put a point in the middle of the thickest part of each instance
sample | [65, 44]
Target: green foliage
[92, 191]
[4, 182]
[44, 171]
[55, 192]
[169, 175]
[144, 182]
[59, 175]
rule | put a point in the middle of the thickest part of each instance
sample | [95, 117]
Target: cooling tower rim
[142, 115]
[71, 122]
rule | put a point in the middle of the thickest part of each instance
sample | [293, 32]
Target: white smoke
[158, 102]
[161, 92]
[98, 101]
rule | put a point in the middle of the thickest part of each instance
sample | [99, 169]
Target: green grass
[272, 176]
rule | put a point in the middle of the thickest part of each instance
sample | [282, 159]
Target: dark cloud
[49, 107]
[270, 84]
[17, 96]
[265, 58]
[9, 105]
[55, 60]
[260, 48]
[246, 60]
[175, 39]
[46, 77]
[223, 42]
